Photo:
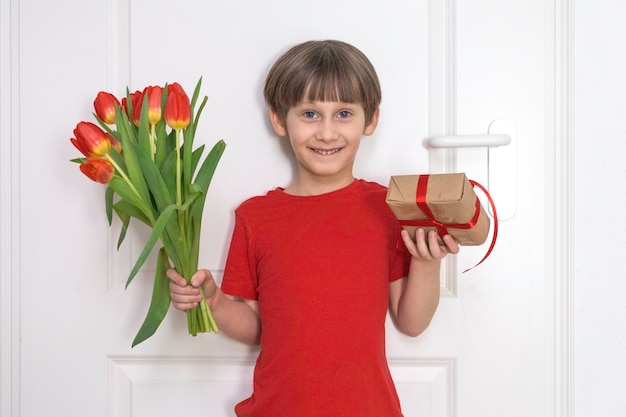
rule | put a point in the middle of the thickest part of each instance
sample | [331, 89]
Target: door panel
[446, 68]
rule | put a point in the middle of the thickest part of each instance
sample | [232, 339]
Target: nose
[327, 131]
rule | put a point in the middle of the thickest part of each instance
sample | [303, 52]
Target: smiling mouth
[326, 151]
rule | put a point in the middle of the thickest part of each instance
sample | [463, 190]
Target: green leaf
[170, 142]
[205, 174]
[125, 127]
[154, 180]
[196, 114]
[157, 231]
[160, 301]
[125, 219]
[143, 135]
[161, 143]
[190, 133]
[187, 175]
[195, 158]
[79, 160]
[194, 238]
[123, 190]
[192, 198]
[173, 252]
[201, 185]
[196, 92]
[203, 180]
[135, 174]
[106, 127]
[118, 159]
[160, 193]
[197, 118]
[168, 172]
[129, 209]
[108, 202]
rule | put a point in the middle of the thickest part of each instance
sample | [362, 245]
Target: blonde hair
[327, 70]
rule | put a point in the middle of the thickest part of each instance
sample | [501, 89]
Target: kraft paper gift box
[443, 202]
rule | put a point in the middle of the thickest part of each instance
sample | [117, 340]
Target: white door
[447, 68]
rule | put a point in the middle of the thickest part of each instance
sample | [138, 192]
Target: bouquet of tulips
[143, 150]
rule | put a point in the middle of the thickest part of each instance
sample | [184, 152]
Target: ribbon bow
[442, 228]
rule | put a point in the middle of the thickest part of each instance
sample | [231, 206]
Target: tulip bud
[104, 104]
[136, 99]
[115, 144]
[98, 170]
[90, 140]
[154, 103]
[177, 112]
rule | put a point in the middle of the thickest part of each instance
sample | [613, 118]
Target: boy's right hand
[186, 296]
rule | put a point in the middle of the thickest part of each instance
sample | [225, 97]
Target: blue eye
[344, 114]
[309, 114]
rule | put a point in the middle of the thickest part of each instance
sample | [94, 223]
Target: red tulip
[105, 107]
[115, 144]
[154, 103]
[98, 169]
[90, 140]
[136, 99]
[177, 112]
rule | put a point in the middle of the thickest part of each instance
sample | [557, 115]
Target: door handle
[469, 141]
[501, 144]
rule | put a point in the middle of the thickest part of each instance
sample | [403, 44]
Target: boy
[313, 268]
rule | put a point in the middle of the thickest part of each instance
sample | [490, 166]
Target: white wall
[599, 203]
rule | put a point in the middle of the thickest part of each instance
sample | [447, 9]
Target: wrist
[425, 267]
[214, 300]
[433, 263]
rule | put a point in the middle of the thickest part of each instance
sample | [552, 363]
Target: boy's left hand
[428, 248]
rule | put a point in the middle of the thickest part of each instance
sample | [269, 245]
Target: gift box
[442, 202]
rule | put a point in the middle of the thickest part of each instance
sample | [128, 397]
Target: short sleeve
[400, 258]
[240, 278]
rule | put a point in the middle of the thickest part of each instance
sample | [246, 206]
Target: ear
[277, 123]
[371, 126]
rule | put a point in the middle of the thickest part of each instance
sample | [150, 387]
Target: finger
[184, 306]
[179, 287]
[186, 291]
[451, 244]
[423, 248]
[200, 277]
[175, 277]
[409, 243]
[184, 295]
[437, 250]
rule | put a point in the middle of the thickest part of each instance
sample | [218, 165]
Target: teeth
[326, 152]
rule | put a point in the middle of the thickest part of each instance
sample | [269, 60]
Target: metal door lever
[468, 141]
[501, 147]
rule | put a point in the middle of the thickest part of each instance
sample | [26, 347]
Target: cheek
[353, 136]
[299, 133]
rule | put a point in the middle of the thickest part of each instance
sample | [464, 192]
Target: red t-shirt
[320, 268]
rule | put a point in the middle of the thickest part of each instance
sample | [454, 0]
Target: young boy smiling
[314, 267]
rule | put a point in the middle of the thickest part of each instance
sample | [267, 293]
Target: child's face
[325, 137]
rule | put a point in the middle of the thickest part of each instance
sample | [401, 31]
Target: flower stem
[179, 196]
[152, 138]
[119, 170]
[207, 317]
[122, 174]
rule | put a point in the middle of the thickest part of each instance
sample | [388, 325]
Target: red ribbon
[495, 222]
[442, 229]
[420, 200]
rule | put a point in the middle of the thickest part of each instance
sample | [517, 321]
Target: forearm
[236, 319]
[417, 297]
